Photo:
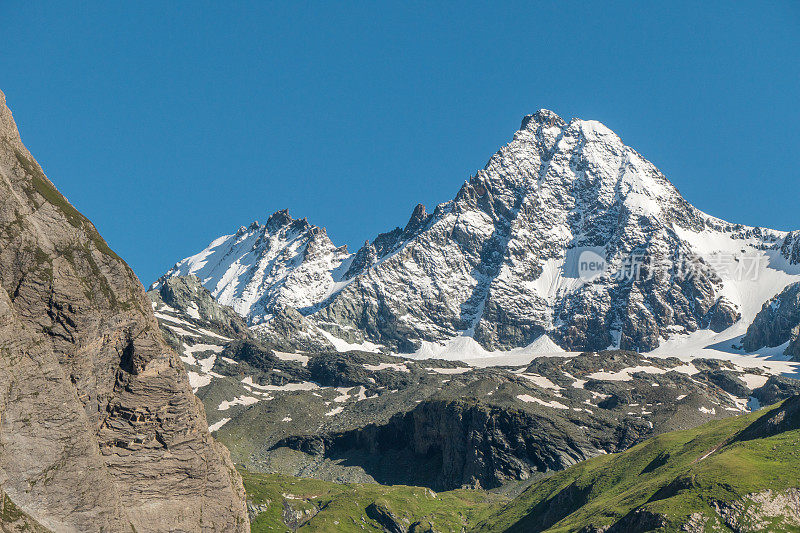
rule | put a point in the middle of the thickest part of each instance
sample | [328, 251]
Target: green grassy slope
[286, 503]
[701, 476]
[711, 478]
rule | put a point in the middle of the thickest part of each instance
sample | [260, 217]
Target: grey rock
[778, 322]
[290, 331]
[13, 520]
[100, 430]
[777, 388]
[187, 294]
[388, 520]
[483, 427]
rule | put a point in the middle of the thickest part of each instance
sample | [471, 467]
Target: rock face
[100, 430]
[501, 262]
[777, 323]
[188, 294]
[791, 247]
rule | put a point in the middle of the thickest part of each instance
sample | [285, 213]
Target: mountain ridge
[492, 264]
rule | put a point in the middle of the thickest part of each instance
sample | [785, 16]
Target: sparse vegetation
[12, 516]
[46, 190]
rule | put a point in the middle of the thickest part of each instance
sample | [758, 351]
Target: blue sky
[171, 125]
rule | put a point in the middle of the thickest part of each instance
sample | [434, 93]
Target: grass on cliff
[13, 519]
[47, 191]
[326, 507]
[674, 475]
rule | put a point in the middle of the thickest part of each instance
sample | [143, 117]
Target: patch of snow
[342, 345]
[541, 381]
[196, 381]
[465, 348]
[239, 400]
[626, 374]
[459, 370]
[180, 331]
[399, 367]
[193, 311]
[214, 427]
[302, 386]
[344, 394]
[283, 356]
[753, 381]
[530, 399]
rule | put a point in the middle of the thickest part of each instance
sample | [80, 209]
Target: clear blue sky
[171, 125]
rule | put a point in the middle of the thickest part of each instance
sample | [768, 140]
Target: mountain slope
[100, 430]
[369, 417]
[281, 503]
[499, 265]
[738, 474]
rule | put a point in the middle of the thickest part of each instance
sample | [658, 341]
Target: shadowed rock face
[791, 247]
[99, 427]
[777, 323]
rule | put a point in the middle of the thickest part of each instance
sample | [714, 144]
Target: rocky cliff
[99, 429]
[777, 324]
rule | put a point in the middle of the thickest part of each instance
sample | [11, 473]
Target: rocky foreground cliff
[99, 429]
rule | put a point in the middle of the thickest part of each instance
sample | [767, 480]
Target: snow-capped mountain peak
[286, 261]
[498, 264]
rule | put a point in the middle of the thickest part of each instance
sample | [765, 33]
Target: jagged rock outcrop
[479, 446]
[188, 295]
[100, 430]
[364, 417]
[783, 419]
[500, 263]
[791, 247]
[451, 427]
[777, 323]
[777, 388]
[768, 510]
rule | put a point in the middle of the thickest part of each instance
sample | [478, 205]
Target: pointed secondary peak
[8, 128]
[418, 218]
[543, 117]
[278, 219]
